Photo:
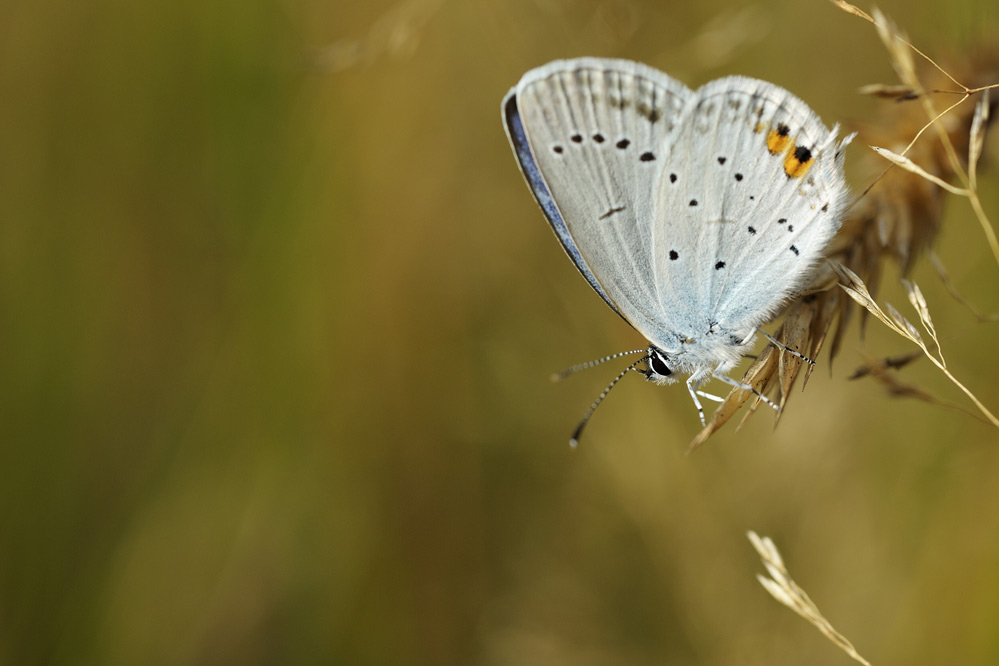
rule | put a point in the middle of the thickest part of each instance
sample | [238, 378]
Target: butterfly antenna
[559, 376]
[578, 432]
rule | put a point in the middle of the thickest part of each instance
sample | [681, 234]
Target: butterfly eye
[658, 365]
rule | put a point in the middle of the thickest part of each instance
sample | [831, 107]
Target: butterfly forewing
[599, 134]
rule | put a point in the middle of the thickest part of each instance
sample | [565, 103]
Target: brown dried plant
[895, 219]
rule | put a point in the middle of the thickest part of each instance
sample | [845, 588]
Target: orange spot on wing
[778, 139]
[797, 162]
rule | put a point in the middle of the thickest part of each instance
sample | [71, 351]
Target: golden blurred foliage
[278, 315]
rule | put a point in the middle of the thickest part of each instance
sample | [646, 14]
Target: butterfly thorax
[715, 352]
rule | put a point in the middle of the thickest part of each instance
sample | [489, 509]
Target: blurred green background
[278, 315]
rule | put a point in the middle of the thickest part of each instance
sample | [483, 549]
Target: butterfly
[694, 215]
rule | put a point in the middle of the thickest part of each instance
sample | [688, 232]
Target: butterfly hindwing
[753, 194]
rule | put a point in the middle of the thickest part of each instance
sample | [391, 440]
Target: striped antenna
[577, 433]
[559, 376]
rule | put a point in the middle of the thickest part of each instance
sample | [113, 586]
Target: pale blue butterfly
[695, 215]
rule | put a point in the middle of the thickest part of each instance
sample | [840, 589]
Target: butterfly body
[695, 215]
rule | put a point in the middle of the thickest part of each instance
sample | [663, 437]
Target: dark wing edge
[532, 175]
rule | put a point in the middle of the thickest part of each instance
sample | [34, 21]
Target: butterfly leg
[693, 396]
[711, 396]
[781, 345]
[746, 387]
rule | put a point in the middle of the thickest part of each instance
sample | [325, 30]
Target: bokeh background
[278, 315]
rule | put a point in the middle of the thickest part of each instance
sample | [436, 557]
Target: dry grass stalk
[895, 219]
[880, 371]
[880, 367]
[897, 322]
[782, 587]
